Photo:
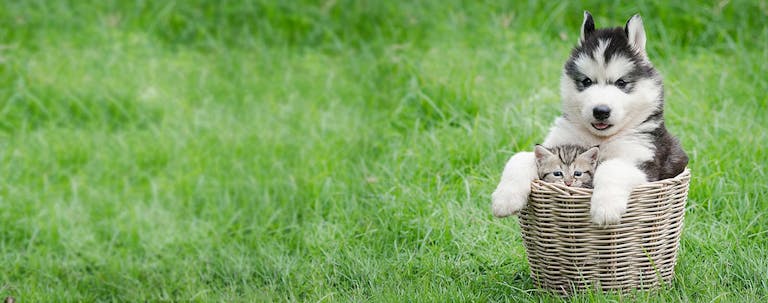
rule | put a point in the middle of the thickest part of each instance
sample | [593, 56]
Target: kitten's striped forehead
[568, 154]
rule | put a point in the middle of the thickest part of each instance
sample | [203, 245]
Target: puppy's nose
[601, 112]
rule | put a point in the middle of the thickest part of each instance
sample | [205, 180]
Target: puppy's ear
[542, 152]
[636, 34]
[587, 27]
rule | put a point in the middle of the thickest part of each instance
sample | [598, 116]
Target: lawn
[328, 151]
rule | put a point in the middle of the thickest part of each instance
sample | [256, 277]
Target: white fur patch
[566, 132]
[512, 192]
[617, 67]
[614, 181]
[633, 148]
[636, 35]
[599, 53]
[594, 67]
[585, 64]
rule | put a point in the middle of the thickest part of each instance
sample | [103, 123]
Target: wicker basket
[568, 253]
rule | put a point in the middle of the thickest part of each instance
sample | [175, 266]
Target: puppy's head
[608, 83]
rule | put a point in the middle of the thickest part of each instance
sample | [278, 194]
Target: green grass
[340, 150]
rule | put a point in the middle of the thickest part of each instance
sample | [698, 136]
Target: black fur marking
[658, 115]
[619, 45]
[669, 159]
[626, 27]
[575, 74]
[589, 25]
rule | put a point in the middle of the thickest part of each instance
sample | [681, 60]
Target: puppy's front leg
[614, 181]
[512, 192]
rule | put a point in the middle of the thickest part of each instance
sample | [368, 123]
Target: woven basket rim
[686, 174]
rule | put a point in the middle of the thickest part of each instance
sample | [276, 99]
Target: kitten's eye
[620, 83]
[586, 82]
[558, 174]
[577, 174]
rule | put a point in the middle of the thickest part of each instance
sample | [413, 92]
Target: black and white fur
[611, 97]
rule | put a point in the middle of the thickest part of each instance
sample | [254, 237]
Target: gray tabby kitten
[571, 165]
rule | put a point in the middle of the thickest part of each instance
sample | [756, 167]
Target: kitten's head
[569, 164]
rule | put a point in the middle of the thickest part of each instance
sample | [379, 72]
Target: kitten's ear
[591, 154]
[587, 27]
[541, 152]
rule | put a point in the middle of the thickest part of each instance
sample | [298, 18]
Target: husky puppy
[612, 97]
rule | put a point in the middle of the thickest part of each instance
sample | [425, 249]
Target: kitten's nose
[568, 183]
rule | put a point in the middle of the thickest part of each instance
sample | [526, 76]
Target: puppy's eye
[586, 82]
[620, 83]
[577, 174]
[558, 174]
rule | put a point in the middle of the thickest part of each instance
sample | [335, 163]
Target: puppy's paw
[607, 207]
[508, 200]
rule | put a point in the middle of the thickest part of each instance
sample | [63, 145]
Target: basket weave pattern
[567, 253]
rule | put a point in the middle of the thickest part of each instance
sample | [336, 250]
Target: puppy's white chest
[635, 149]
